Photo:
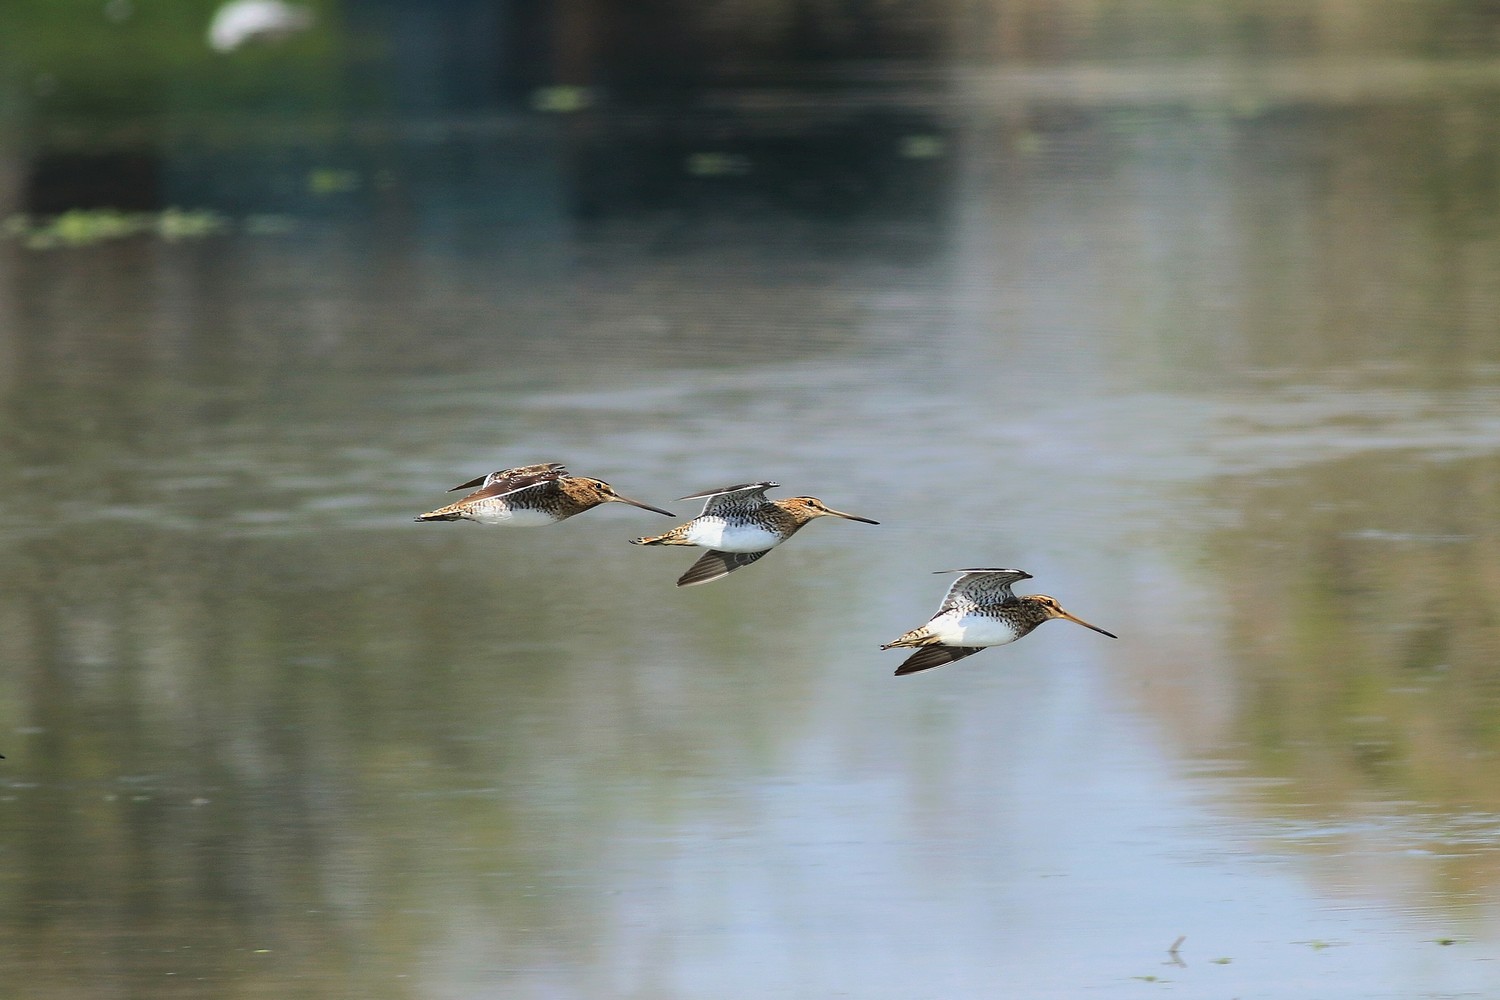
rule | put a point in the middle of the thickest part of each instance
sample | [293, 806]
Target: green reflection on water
[361, 734]
[103, 65]
[1361, 601]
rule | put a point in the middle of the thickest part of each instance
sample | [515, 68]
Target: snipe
[738, 526]
[980, 611]
[530, 495]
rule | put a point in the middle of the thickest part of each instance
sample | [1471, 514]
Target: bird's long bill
[642, 506]
[1079, 621]
[851, 517]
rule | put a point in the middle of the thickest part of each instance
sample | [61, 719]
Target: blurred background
[1187, 307]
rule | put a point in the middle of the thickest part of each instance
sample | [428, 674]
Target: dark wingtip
[984, 569]
[688, 579]
[710, 567]
[767, 484]
[934, 656]
[715, 565]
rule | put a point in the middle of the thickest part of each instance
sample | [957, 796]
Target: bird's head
[599, 492]
[1052, 609]
[806, 508]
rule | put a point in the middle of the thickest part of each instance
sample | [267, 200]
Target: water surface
[1215, 363]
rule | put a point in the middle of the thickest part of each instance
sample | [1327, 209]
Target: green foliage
[85, 59]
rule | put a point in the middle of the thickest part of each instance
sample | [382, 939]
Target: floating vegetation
[175, 224]
[332, 180]
[717, 165]
[923, 147]
[87, 227]
[562, 100]
[268, 225]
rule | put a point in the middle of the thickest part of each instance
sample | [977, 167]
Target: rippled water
[1219, 368]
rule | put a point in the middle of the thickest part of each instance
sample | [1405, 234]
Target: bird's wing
[934, 656]
[713, 565]
[732, 498]
[523, 477]
[550, 470]
[981, 588]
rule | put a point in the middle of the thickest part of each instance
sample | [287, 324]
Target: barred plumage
[738, 526]
[530, 495]
[980, 610]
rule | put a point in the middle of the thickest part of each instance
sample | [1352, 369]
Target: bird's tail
[677, 536]
[916, 637]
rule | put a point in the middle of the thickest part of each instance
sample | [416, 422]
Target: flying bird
[738, 526]
[980, 611]
[530, 495]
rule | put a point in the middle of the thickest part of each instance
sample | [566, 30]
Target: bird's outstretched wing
[981, 588]
[522, 477]
[732, 499]
[934, 656]
[713, 565]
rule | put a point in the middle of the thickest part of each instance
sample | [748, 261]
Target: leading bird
[738, 526]
[980, 611]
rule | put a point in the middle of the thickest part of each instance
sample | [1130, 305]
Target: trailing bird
[530, 495]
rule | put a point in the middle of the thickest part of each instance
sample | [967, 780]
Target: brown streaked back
[499, 484]
[519, 473]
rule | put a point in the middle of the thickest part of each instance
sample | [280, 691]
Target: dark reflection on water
[1208, 348]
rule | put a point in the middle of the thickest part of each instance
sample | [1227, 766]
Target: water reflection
[1210, 355]
[1363, 675]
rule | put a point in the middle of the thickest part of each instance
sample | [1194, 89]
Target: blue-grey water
[1208, 345]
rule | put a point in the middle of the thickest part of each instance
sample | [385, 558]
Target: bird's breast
[512, 517]
[955, 629]
[731, 536]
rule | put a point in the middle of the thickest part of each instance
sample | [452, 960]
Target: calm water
[1210, 348]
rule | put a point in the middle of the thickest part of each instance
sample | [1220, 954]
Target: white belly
[972, 630]
[510, 516]
[726, 536]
